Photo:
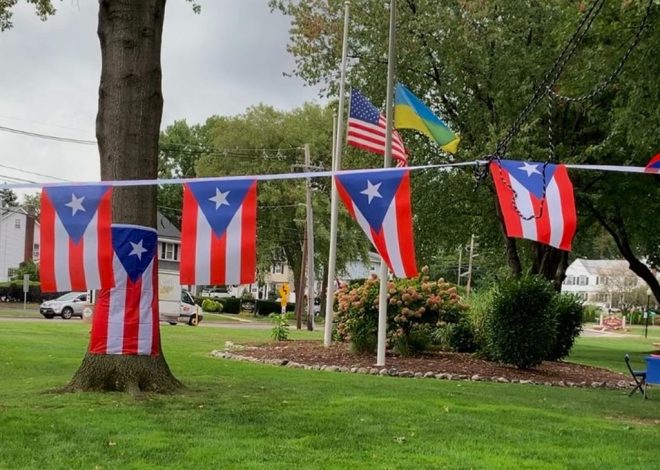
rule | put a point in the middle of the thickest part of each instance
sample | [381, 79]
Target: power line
[39, 135]
[9, 167]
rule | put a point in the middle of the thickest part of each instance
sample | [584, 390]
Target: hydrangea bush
[415, 308]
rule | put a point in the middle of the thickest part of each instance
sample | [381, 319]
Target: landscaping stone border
[392, 372]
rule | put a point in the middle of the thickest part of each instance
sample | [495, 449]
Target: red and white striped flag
[125, 318]
[366, 130]
[76, 247]
[219, 231]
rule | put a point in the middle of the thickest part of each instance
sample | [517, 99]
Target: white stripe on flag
[525, 207]
[392, 240]
[116, 309]
[362, 222]
[233, 248]
[145, 327]
[555, 213]
[202, 250]
[62, 275]
[91, 254]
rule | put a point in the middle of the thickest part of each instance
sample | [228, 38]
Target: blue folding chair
[640, 379]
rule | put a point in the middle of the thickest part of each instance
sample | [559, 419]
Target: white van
[174, 303]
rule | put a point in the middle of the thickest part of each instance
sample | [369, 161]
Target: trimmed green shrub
[230, 304]
[591, 314]
[210, 305]
[266, 307]
[568, 312]
[520, 327]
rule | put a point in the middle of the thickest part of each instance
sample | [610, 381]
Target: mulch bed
[451, 365]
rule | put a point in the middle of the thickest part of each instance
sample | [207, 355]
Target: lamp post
[647, 313]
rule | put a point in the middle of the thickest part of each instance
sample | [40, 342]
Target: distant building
[604, 283]
[19, 240]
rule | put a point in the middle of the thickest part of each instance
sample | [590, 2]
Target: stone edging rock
[392, 372]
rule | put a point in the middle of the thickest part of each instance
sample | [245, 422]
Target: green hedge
[266, 307]
[13, 292]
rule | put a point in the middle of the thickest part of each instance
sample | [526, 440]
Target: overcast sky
[222, 61]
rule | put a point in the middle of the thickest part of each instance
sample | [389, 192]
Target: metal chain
[551, 141]
[551, 76]
[606, 82]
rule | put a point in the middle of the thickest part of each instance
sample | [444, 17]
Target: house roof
[603, 266]
[166, 229]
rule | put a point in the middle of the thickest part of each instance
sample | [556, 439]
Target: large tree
[127, 130]
[477, 64]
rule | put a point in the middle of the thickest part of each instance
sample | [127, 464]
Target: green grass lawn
[238, 415]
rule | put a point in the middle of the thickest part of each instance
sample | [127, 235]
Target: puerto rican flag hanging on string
[537, 201]
[125, 320]
[219, 230]
[75, 232]
[380, 203]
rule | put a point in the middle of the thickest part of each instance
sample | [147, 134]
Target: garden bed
[440, 365]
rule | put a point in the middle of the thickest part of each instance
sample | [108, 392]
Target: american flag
[126, 318]
[218, 238]
[366, 129]
[380, 203]
[76, 251]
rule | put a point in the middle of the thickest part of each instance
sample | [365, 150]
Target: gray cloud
[220, 62]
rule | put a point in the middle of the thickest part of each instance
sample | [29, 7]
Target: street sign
[284, 296]
[26, 283]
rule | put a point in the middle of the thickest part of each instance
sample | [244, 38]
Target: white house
[600, 282]
[19, 240]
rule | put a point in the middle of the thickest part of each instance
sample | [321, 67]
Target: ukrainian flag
[411, 113]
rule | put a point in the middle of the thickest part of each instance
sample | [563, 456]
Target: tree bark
[127, 131]
[509, 244]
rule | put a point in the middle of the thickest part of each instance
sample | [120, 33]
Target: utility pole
[469, 273]
[310, 245]
[300, 291]
[460, 262]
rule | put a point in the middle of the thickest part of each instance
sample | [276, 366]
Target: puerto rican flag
[76, 246]
[537, 201]
[125, 318]
[380, 203]
[219, 231]
[653, 166]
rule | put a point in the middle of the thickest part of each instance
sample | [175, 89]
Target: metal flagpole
[310, 245]
[336, 165]
[382, 296]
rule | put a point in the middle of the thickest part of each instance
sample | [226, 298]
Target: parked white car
[67, 306]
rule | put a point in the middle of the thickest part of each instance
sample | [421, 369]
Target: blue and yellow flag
[411, 113]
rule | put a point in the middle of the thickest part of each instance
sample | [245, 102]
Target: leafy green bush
[230, 304]
[568, 312]
[280, 331]
[521, 325]
[266, 307]
[481, 304]
[591, 314]
[461, 336]
[411, 303]
[210, 305]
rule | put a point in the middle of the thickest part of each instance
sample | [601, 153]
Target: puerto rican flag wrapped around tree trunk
[126, 317]
[76, 247]
[218, 239]
[537, 201]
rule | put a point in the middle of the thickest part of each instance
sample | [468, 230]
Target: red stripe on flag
[404, 226]
[381, 247]
[248, 236]
[47, 241]
[345, 197]
[155, 325]
[506, 200]
[567, 206]
[542, 218]
[77, 265]
[98, 343]
[218, 258]
[188, 237]
[132, 316]
[105, 254]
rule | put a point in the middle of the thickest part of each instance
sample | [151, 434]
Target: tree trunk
[510, 244]
[616, 229]
[127, 131]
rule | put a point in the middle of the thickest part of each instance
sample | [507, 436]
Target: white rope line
[307, 174]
